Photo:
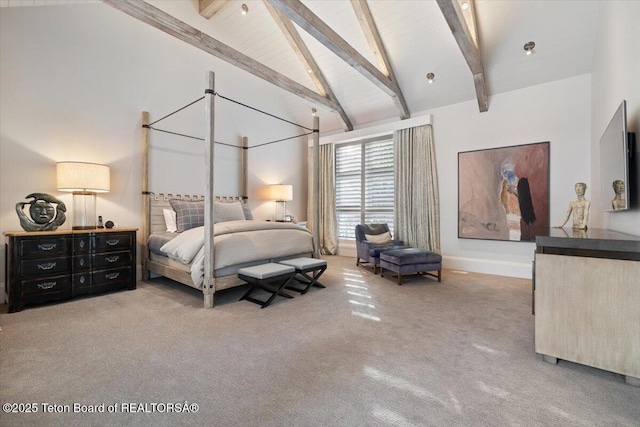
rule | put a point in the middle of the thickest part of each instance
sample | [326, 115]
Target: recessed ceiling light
[465, 5]
[309, 70]
[245, 9]
[313, 112]
[430, 77]
[528, 47]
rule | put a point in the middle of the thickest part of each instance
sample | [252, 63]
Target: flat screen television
[616, 150]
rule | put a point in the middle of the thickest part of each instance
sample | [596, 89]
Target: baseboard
[488, 266]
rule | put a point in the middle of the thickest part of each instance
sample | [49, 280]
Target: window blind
[364, 185]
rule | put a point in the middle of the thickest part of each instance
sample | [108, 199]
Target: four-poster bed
[219, 275]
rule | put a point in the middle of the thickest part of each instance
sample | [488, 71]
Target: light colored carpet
[363, 352]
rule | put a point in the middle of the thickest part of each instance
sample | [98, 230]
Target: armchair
[369, 252]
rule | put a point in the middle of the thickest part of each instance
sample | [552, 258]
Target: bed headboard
[160, 201]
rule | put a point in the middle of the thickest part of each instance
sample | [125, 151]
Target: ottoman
[304, 267]
[374, 254]
[411, 261]
[271, 278]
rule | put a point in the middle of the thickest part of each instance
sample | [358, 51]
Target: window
[364, 184]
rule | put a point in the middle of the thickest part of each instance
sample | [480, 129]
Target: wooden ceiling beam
[309, 63]
[208, 8]
[307, 20]
[163, 21]
[370, 30]
[467, 41]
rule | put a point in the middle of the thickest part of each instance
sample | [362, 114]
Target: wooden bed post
[245, 169]
[208, 285]
[145, 196]
[316, 186]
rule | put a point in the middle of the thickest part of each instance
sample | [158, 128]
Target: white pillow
[170, 220]
[379, 239]
[223, 211]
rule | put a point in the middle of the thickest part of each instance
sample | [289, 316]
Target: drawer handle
[81, 244]
[112, 276]
[47, 266]
[47, 285]
[81, 261]
[113, 242]
[82, 280]
[112, 258]
[47, 246]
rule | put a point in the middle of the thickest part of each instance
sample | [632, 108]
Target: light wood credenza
[587, 299]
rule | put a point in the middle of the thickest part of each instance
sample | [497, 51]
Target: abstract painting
[503, 193]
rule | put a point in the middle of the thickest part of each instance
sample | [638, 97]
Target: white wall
[74, 81]
[558, 112]
[616, 76]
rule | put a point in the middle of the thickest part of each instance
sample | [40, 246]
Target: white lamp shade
[281, 192]
[79, 176]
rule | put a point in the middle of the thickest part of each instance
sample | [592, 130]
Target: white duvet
[237, 242]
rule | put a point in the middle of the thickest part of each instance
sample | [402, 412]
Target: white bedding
[237, 242]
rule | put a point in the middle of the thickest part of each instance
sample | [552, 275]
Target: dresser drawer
[44, 267]
[113, 242]
[82, 283]
[82, 244]
[105, 280]
[81, 262]
[112, 259]
[49, 285]
[82, 279]
[45, 247]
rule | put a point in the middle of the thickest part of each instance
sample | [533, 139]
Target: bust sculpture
[43, 216]
[579, 208]
[618, 202]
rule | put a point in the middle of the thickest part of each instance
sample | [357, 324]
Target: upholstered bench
[304, 266]
[270, 277]
[411, 260]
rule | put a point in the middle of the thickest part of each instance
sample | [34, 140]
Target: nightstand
[59, 265]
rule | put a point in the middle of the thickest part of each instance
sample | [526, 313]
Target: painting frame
[504, 192]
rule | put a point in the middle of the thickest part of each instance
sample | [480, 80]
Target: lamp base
[84, 210]
[281, 211]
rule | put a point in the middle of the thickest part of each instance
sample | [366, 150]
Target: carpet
[362, 352]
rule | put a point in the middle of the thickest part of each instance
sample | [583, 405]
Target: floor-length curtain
[328, 227]
[417, 202]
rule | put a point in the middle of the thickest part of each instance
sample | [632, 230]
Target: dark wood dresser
[59, 265]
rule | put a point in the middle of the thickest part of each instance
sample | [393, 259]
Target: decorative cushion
[227, 211]
[170, 220]
[379, 239]
[189, 214]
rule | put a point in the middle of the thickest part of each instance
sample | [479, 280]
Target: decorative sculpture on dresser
[43, 216]
[580, 209]
[618, 201]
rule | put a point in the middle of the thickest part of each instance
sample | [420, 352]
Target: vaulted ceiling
[350, 83]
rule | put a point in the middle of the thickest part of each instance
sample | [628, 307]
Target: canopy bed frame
[152, 204]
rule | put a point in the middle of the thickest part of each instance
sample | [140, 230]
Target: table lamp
[84, 180]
